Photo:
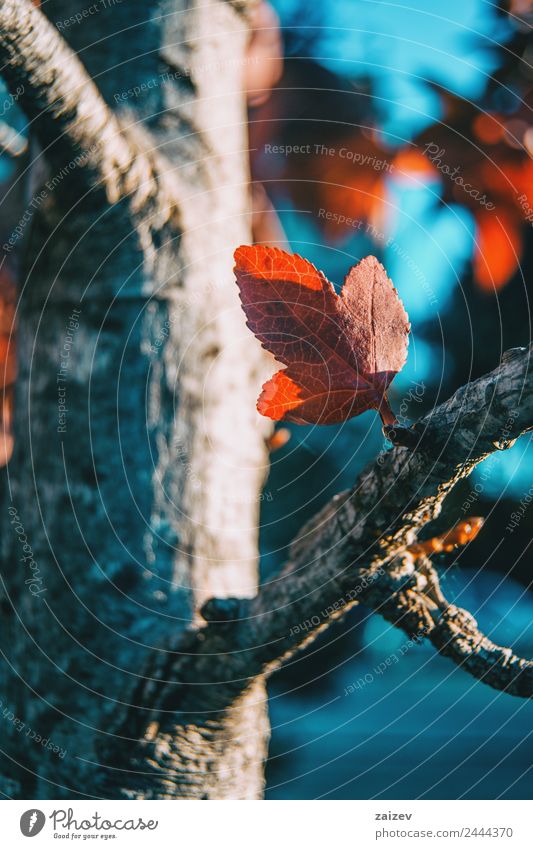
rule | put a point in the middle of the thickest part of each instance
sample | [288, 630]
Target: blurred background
[401, 129]
[382, 108]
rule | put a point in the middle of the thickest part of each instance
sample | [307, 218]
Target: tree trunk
[139, 455]
[132, 496]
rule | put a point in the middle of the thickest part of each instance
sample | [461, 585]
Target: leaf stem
[387, 416]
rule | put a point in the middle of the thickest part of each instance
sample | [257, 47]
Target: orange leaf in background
[499, 172]
[341, 351]
[348, 180]
[409, 161]
[498, 247]
[489, 129]
[8, 363]
[278, 439]
[500, 243]
[7, 440]
[506, 178]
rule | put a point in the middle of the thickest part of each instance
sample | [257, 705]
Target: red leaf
[341, 352]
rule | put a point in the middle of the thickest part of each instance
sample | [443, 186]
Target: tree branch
[352, 549]
[457, 636]
[355, 550]
[74, 125]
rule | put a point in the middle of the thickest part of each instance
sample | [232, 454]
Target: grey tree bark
[141, 501]
[134, 637]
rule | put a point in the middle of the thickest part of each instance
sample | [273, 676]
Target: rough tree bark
[143, 646]
[146, 501]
